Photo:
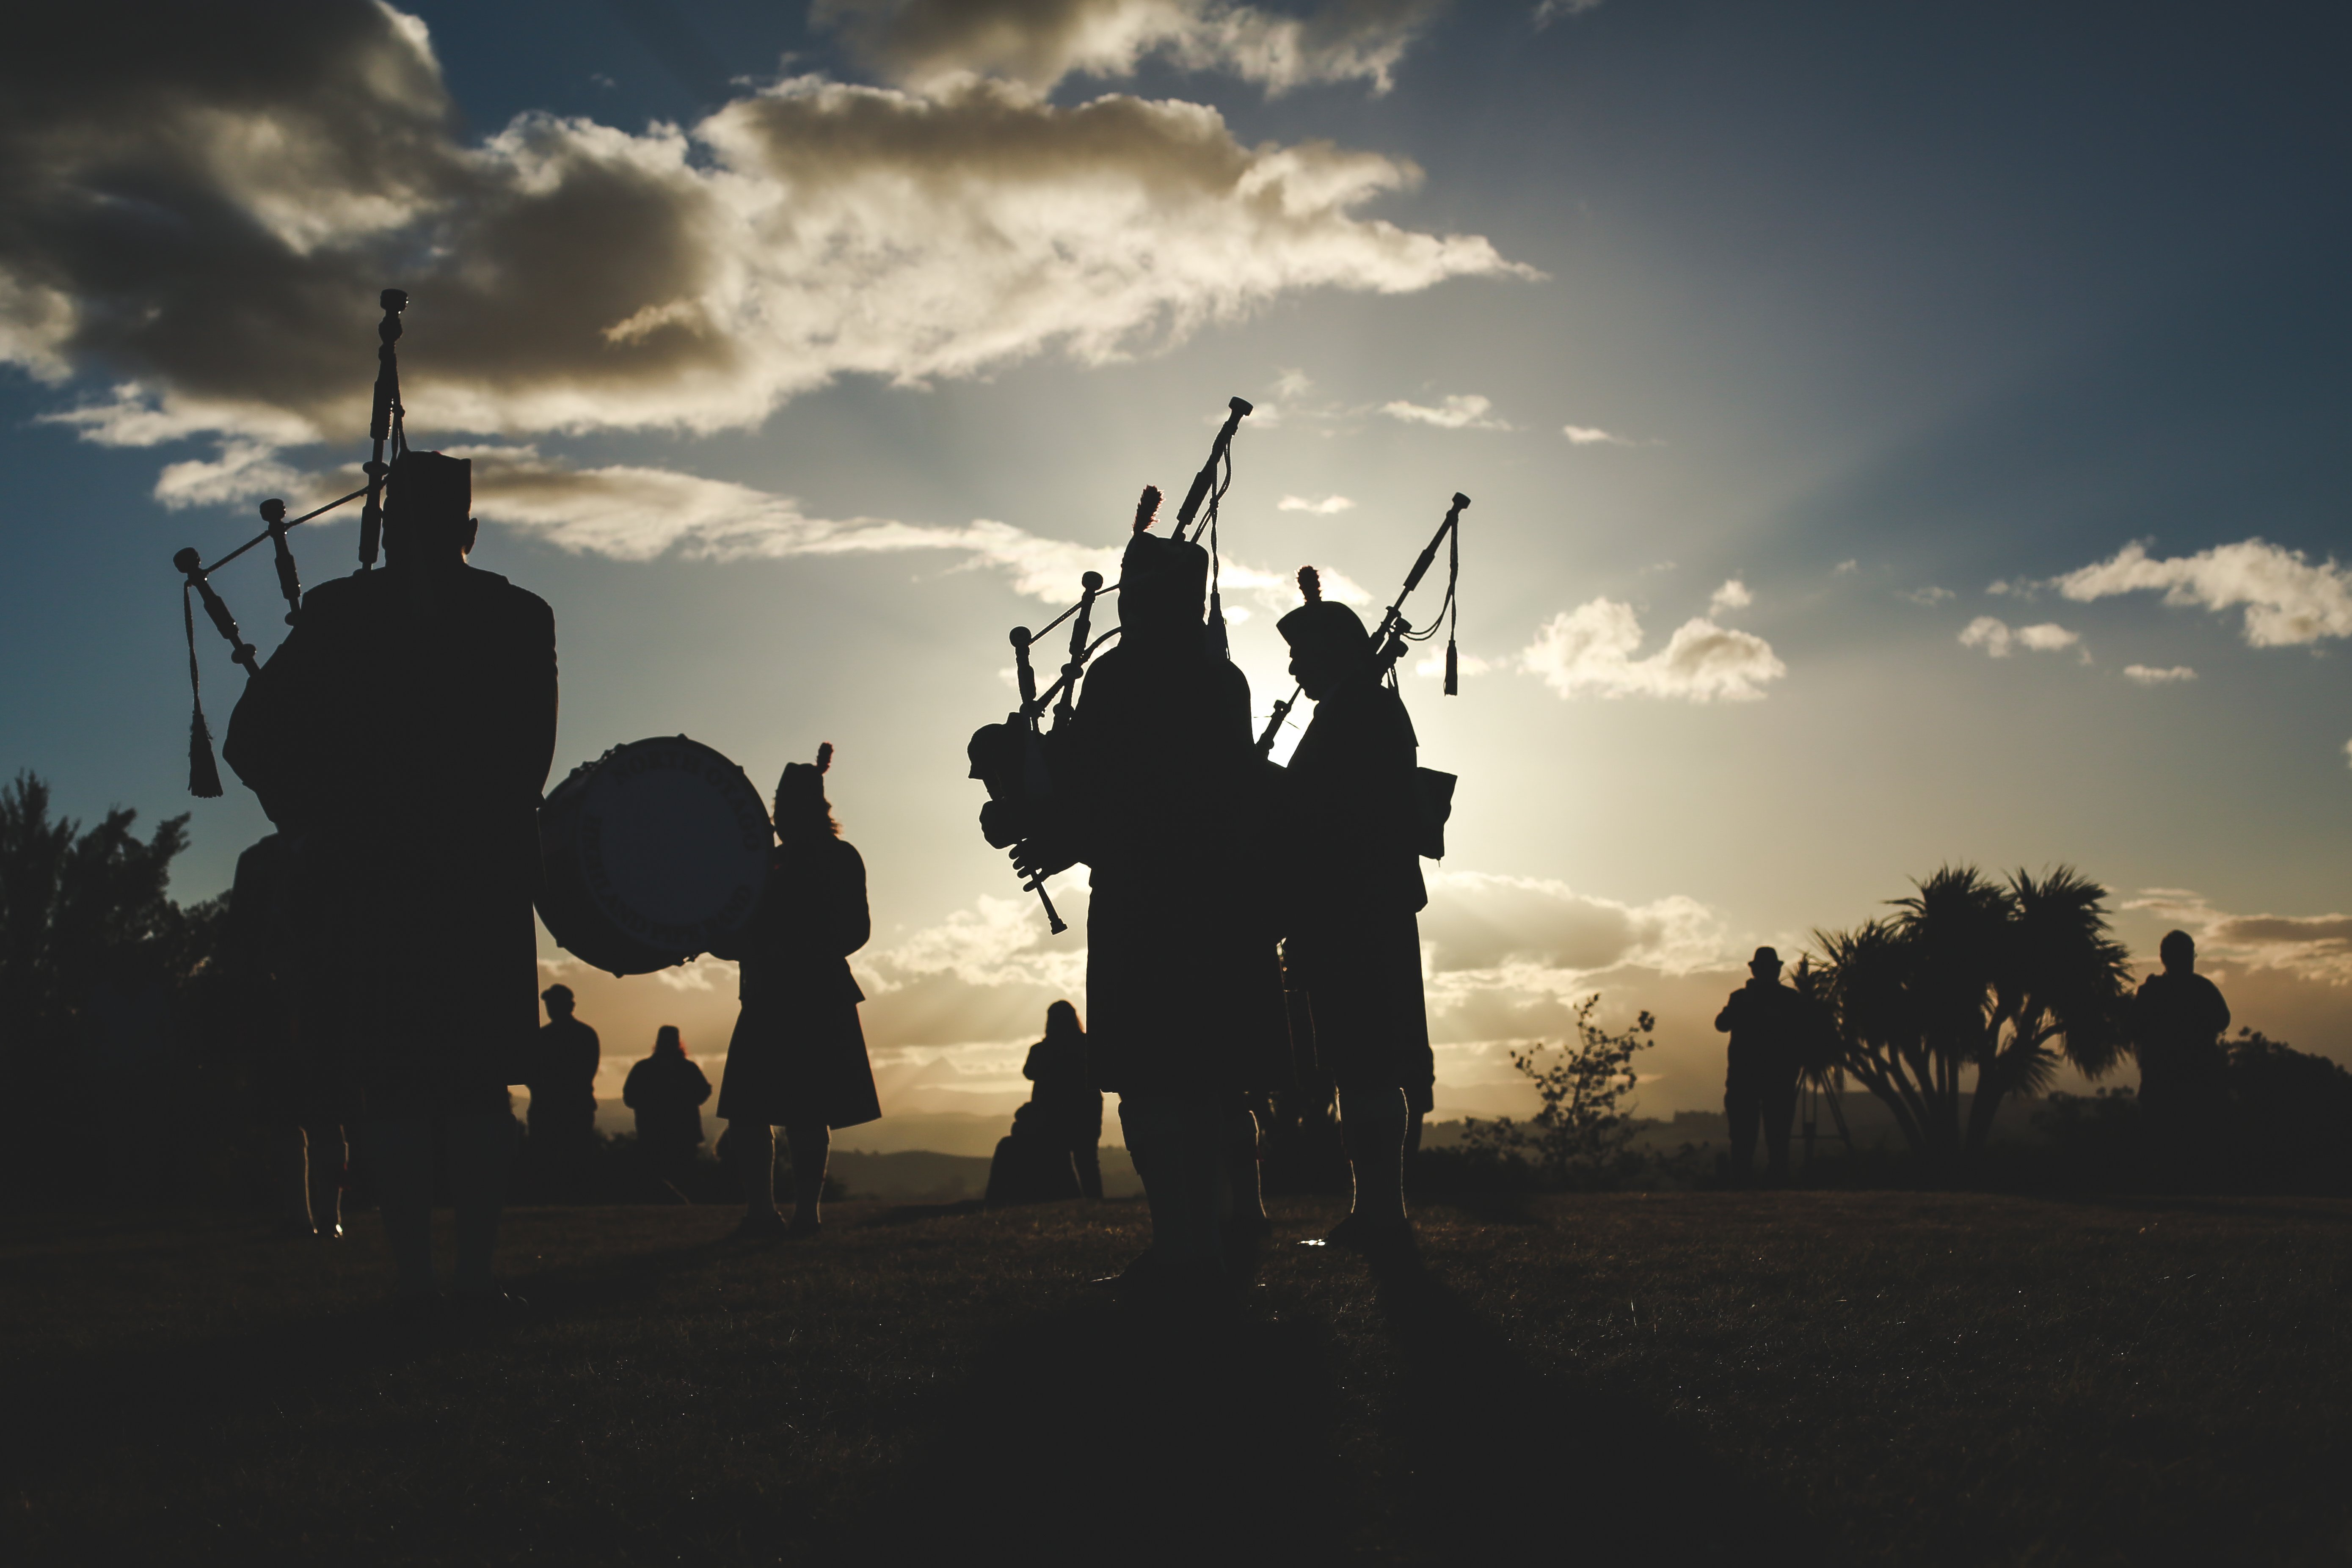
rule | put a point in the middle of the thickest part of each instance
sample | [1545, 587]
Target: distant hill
[928, 1176]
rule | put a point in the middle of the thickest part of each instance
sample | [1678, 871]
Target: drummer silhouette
[797, 1059]
[402, 732]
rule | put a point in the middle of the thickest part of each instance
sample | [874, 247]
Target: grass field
[1802, 1378]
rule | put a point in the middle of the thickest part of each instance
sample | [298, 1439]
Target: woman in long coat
[798, 1057]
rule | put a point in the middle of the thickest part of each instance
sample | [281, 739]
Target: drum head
[660, 851]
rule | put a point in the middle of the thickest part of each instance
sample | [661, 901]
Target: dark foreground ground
[1806, 1377]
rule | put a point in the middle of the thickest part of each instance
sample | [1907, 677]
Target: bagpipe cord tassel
[204, 773]
[1453, 610]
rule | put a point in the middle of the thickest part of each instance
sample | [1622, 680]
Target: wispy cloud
[2288, 599]
[1844, 567]
[1999, 639]
[1327, 507]
[2149, 674]
[1463, 411]
[1732, 595]
[1590, 651]
[923, 42]
[1551, 11]
[1927, 596]
[1592, 435]
[627, 513]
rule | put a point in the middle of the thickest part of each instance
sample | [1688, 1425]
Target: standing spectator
[1769, 1025]
[2177, 1017]
[562, 1083]
[666, 1092]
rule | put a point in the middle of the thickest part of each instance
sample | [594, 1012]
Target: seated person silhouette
[402, 733]
[2177, 1019]
[1769, 1026]
[666, 1092]
[1052, 1151]
[562, 1078]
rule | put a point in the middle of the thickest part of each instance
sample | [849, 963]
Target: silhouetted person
[562, 1078]
[666, 1092]
[2178, 1018]
[1052, 1151]
[1772, 1029]
[797, 1059]
[1355, 888]
[296, 1103]
[1072, 1108]
[1162, 796]
[403, 733]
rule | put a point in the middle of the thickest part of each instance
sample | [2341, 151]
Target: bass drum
[653, 853]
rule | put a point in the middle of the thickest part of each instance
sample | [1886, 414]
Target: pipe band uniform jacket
[1356, 887]
[798, 1054]
[401, 734]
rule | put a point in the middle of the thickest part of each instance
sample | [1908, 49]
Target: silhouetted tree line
[1972, 991]
[103, 1018]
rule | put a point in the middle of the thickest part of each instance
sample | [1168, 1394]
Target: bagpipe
[384, 429]
[1014, 759]
[1394, 631]
[653, 853]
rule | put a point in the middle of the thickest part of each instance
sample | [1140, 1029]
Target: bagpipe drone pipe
[384, 429]
[1016, 758]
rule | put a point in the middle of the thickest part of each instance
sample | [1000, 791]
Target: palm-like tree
[1975, 986]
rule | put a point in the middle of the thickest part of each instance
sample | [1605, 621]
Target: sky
[1897, 436]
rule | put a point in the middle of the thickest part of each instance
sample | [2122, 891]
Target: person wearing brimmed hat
[1161, 795]
[797, 1059]
[1770, 1026]
[401, 736]
[1355, 892]
[562, 1078]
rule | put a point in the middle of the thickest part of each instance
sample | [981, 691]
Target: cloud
[625, 512]
[1327, 507]
[1842, 567]
[2147, 675]
[1550, 11]
[1466, 411]
[1732, 595]
[2347, 754]
[2310, 947]
[1481, 922]
[1590, 651]
[1997, 638]
[203, 205]
[1928, 595]
[1591, 436]
[2288, 600]
[923, 43]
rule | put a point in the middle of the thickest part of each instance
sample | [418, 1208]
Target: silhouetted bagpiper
[402, 733]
